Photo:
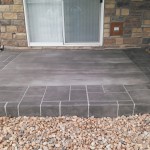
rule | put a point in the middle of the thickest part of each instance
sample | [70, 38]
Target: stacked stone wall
[12, 23]
[134, 14]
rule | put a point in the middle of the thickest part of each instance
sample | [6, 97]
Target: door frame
[101, 30]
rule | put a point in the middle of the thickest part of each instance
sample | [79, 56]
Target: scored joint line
[117, 109]
[103, 88]
[21, 100]
[87, 100]
[131, 99]
[60, 108]
[42, 101]
[5, 108]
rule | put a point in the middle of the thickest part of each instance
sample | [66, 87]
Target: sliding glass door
[60, 22]
[45, 21]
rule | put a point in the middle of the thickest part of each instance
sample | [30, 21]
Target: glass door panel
[81, 21]
[45, 21]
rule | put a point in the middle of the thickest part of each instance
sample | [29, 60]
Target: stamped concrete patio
[85, 83]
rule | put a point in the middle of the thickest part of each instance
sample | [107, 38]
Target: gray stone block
[2, 110]
[137, 87]
[121, 96]
[12, 109]
[57, 93]
[77, 108]
[29, 109]
[103, 109]
[8, 96]
[114, 88]
[141, 96]
[78, 87]
[35, 91]
[146, 41]
[124, 3]
[126, 108]
[78, 95]
[95, 88]
[50, 109]
[142, 108]
[101, 97]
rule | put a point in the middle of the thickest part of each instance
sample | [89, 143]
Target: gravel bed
[73, 133]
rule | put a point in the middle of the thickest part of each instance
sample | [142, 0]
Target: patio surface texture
[84, 83]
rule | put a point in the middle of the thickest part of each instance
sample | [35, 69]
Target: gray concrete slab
[100, 109]
[83, 101]
[64, 67]
[83, 83]
[125, 108]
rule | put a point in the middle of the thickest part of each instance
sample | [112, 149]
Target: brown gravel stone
[69, 133]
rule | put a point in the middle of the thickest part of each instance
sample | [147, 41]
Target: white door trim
[26, 22]
[102, 23]
[101, 31]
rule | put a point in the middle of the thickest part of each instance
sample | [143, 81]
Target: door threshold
[63, 45]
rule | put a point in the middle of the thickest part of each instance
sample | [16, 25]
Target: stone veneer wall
[12, 23]
[135, 15]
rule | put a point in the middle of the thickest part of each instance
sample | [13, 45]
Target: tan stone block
[21, 36]
[9, 15]
[146, 34]
[137, 34]
[109, 41]
[136, 0]
[133, 40]
[11, 29]
[109, 12]
[18, 22]
[6, 2]
[146, 29]
[137, 30]
[119, 41]
[4, 8]
[118, 12]
[122, 46]
[17, 8]
[22, 43]
[9, 43]
[109, 1]
[106, 26]
[18, 2]
[20, 16]
[106, 34]
[147, 22]
[106, 30]
[109, 5]
[3, 29]
[107, 20]
[6, 36]
[125, 12]
[21, 29]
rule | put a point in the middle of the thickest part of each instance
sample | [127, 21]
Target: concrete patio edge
[82, 101]
[56, 109]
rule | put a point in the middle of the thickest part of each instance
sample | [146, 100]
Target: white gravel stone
[73, 133]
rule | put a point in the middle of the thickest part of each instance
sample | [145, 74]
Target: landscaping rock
[69, 133]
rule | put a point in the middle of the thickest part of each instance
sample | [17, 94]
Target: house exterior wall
[12, 23]
[135, 15]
